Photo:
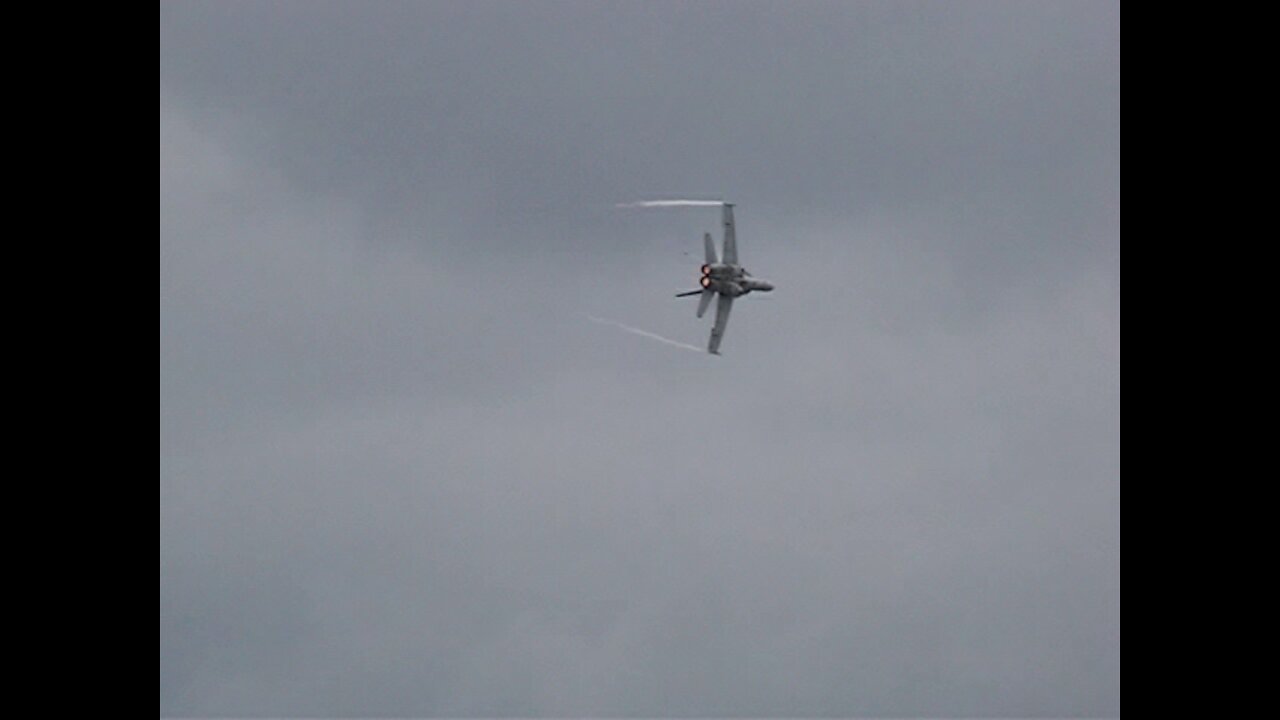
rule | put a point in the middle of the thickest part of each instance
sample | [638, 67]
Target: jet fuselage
[731, 280]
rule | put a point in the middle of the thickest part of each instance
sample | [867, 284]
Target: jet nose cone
[766, 286]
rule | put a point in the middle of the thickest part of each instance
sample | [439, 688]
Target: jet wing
[730, 239]
[723, 305]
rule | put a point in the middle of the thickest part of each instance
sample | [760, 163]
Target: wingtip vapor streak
[725, 278]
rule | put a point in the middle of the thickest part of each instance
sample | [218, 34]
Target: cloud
[400, 476]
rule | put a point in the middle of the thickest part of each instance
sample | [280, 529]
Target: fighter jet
[725, 277]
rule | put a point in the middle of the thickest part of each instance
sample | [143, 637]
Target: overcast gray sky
[403, 473]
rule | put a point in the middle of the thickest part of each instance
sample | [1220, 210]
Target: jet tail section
[705, 300]
[710, 248]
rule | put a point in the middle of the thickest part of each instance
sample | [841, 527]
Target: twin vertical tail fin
[706, 293]
[705, 300]
[710, 249]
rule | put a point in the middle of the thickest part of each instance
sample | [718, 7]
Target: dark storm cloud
[403, 473]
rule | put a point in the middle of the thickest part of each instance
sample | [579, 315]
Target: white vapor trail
[671, 203]
[642, 333]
